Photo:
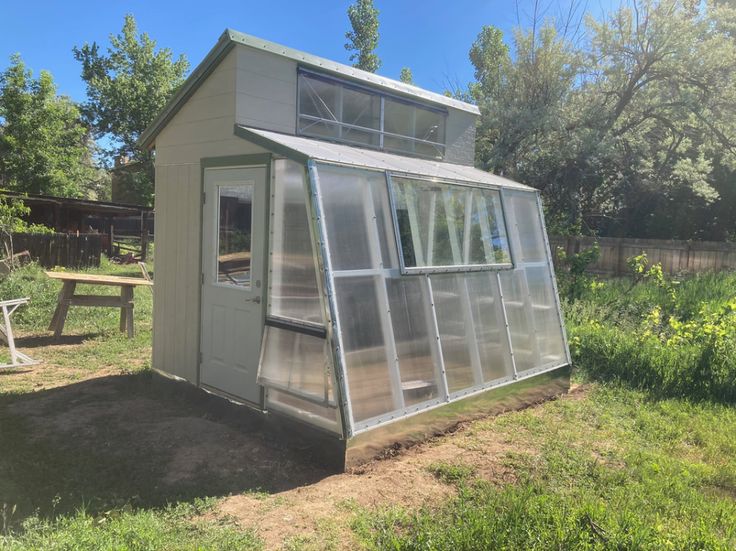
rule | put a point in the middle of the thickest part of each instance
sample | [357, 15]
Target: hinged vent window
[445, 227]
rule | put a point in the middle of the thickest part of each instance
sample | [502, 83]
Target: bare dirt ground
[105, 439]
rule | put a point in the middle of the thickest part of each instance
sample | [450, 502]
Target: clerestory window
[332, 109]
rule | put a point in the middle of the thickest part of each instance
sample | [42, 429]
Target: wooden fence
[675, 256]
[61, 249]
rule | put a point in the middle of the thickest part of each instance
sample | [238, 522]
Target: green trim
[271, 145]
[234, 161]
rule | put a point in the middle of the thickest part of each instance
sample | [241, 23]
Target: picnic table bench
[68, 298]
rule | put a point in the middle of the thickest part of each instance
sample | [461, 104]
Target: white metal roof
[302, 149]
[314, 61]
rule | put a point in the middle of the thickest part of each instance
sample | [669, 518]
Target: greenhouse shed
[327, 254]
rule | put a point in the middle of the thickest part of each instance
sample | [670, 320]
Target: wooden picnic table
[67, 297]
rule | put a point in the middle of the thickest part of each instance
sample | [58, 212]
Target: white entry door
[234, 218]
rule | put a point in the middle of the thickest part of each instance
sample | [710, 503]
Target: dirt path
[144, 440]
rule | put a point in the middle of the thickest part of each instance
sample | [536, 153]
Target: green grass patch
[451, 472]
[173, 527]
[616, 470]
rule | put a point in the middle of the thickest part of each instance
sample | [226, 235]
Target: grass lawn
[96, 452]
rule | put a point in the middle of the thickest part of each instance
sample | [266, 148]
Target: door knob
[257, 300]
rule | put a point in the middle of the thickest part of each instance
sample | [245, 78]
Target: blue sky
[430, 36]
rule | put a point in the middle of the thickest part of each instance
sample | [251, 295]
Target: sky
[432, 37]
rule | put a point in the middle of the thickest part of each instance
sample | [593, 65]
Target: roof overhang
[302, 150]
[230, 38]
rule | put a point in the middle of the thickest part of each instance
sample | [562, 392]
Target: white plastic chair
[18, 359]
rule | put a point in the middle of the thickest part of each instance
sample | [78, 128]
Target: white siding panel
[265, 64]
[195, 132]
[210, 107]
[192, 153]
[221, 80]
[266, 114]
[265, 91]
[159, 268]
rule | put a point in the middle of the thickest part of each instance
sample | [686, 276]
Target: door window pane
[234, 234]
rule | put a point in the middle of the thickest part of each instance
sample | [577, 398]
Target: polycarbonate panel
[408, 299]
[456, 331]
[296, 362]
[489, 326]
[367, 360]
[294, 292]
[549, 331]
[528, 226]
[356, 207]
[521, 324]
[442, 225]
[304, 410]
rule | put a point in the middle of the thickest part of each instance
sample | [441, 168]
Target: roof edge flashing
[341, 69]
[186, 90]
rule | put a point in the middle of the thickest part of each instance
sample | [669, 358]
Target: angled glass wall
[296, 361]
[439, 289]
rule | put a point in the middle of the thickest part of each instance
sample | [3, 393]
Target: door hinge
[202, 278]
[201, 358]
[204, 198]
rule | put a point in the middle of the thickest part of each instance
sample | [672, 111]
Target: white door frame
[234, 161]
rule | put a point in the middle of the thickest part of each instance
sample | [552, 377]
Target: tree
[406, 77]
[363, 39]
[630, 131]
[126, 89]
[44, 146]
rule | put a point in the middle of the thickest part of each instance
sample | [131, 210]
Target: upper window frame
[459, 268]
[380, 132]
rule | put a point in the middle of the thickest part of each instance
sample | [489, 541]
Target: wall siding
[202, 128]
[265, 91]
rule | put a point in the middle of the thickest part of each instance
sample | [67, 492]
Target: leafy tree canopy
[363, 39]
[406, 76]
[630, 130]
[44, 146]
[126, 88]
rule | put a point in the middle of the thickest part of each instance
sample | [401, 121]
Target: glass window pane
[363, 110]
[398, 118]
[334, 110]
[444, 225]
[318, 98]
[234, 234]
[293, 278]
[429, 125]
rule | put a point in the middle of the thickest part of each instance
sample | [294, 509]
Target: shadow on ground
[136, 439]
[38, 341]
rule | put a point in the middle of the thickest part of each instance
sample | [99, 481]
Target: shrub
[672, 337]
